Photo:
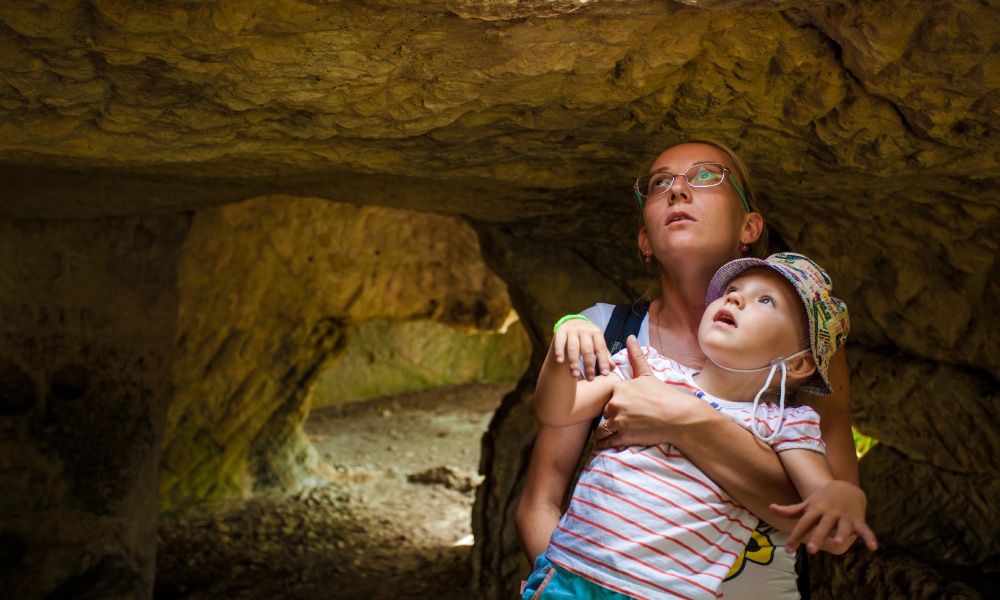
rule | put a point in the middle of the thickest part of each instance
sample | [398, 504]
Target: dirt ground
[396, 524]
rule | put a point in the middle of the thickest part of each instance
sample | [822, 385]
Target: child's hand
[576, 339]
[830, 518]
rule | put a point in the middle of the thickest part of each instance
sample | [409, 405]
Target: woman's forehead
[681, 157]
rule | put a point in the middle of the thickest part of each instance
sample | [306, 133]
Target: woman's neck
[674, 319]
[676, 315]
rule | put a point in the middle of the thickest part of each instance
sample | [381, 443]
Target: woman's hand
[579, 338]
[830, 519]
[645, 412]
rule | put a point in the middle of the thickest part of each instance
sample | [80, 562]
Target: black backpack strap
[626, 319]
[802, 573]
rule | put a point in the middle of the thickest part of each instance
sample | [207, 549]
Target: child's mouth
[725, 317]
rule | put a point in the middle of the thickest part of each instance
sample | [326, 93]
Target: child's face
[759, 318]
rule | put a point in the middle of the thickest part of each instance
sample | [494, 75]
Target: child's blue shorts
[549, 582]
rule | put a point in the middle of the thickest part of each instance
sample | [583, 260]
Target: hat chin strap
[773, 366]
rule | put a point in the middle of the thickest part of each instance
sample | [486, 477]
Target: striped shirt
[645, 522]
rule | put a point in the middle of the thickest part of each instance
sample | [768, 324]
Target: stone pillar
[88, 320]
[545, 282]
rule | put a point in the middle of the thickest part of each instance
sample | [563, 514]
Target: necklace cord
[779, 361]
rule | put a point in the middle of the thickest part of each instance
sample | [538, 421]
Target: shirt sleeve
[800, 430]
[622, 366]
[599, 314]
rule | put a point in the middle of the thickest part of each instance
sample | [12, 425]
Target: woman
[690, 231]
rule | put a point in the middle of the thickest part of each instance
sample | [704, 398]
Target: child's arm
[562, 400]
[810, 472]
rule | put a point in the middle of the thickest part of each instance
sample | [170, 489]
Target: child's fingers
[820, 533]
[587, 354]
[559, 345]
[790, 511]
[573, 352]
[867, 535]
[604, 360]
[802, 529]
[843, 531]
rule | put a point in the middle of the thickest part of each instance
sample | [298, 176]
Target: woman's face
[690, 223]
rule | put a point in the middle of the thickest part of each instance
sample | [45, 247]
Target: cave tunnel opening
[402, 452]
[360, 469]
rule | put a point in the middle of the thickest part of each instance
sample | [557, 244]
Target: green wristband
[567, 318]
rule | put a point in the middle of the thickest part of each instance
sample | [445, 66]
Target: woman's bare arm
[835, 420]
[553, 463]
[644, 412]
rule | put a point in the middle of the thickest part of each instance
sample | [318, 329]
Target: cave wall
[870, 128]
[270, 290]
[386, 358]
[88, 320]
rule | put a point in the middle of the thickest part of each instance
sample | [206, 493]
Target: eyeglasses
[698, 176]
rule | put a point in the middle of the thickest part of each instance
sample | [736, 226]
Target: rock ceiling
[870, 127]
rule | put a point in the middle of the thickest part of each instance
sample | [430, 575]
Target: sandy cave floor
[397, 524]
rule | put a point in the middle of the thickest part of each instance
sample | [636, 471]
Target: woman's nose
[680, 190]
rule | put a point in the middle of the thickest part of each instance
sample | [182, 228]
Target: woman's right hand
[579, 338]
[645, 412]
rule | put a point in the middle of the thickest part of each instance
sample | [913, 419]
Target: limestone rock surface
[269, 291]
[89, 315]
[870, 127]
[386, 358]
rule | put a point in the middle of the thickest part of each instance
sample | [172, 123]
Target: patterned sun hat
[829, 323]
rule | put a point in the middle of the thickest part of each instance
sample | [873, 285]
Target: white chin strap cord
[780, 361]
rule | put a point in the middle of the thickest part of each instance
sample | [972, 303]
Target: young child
[644, 522]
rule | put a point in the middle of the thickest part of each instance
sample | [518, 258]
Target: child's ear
[801, 367]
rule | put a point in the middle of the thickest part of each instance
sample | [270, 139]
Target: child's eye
[731, 289]
[766, 300]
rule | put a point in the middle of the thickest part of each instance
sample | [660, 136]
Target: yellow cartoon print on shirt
[760, 550]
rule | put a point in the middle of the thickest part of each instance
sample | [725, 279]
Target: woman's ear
[644, 246]
[801, 367]
[753, 225]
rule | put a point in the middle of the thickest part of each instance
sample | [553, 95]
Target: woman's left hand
[830, 519]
